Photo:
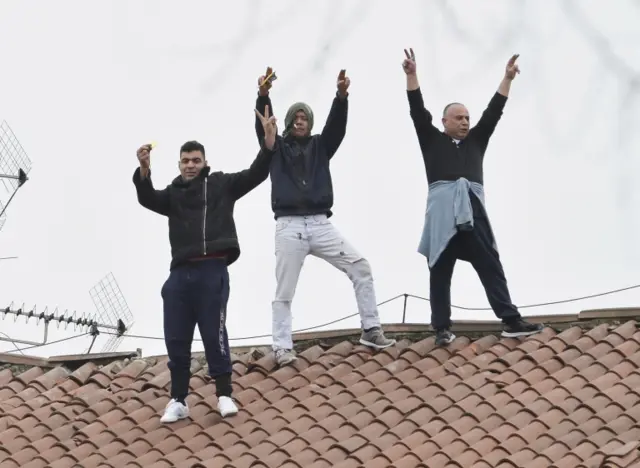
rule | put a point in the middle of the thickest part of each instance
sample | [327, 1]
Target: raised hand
[269, 126]
[409, 63]
[512, 68]
[343, 83]
[266, 81]
[144, 155]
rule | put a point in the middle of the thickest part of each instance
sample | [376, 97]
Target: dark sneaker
[444, 337]
[521, 328]
[375, 339]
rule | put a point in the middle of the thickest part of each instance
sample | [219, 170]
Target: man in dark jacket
[301, 199]
[202, 233]
[456, 222]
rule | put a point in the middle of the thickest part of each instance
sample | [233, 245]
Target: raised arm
[241, 183]
[492, 114]
[421, 117]
[152, 199]
[335, 127]
[265, 82]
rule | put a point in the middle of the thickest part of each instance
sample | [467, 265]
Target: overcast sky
[83, 84]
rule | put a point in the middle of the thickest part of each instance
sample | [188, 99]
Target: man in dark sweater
[199, 206]
[456, 222]
[301, 199]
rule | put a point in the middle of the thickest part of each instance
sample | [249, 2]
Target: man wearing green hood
[301, 199]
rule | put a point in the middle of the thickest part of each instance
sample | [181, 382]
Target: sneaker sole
[172, 420]
[228, 413]
[518, 334]
[376, 346]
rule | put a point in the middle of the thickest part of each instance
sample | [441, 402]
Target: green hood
[291, 113]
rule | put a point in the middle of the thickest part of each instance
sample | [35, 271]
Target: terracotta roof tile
[564, 398]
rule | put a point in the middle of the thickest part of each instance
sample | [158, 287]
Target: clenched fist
[343, 83]
[144, 156]
[266, 81]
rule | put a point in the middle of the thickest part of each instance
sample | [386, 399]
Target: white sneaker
[174, 412]
[226, 406]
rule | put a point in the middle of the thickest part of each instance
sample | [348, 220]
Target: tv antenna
[14, 167]
[112, 310]
[112, 316]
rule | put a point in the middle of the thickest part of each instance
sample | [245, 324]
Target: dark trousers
[476, 247]
[196, 293]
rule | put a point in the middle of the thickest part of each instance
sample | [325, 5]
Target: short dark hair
[192, 145]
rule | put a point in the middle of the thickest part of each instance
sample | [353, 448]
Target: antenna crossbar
[21, 177]
[112, 313]
[83, 322]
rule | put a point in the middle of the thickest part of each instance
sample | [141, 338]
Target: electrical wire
[47, 344]
[544, 304]
[11, 341]
[315, 327]
[405, 295]
[145, 337]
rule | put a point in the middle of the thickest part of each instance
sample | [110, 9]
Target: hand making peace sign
[409, 64]
[269, 126]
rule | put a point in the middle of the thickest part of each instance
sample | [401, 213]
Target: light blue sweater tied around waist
[448, 210]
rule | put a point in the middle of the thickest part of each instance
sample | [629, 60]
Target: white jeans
[298, 236]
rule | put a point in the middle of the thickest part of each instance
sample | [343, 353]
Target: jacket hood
[291, 113]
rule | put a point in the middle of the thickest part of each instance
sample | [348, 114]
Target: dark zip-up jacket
[443, 158]
[200, 211]
[301, 182]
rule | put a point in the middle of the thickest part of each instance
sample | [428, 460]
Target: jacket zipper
[204, 219]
